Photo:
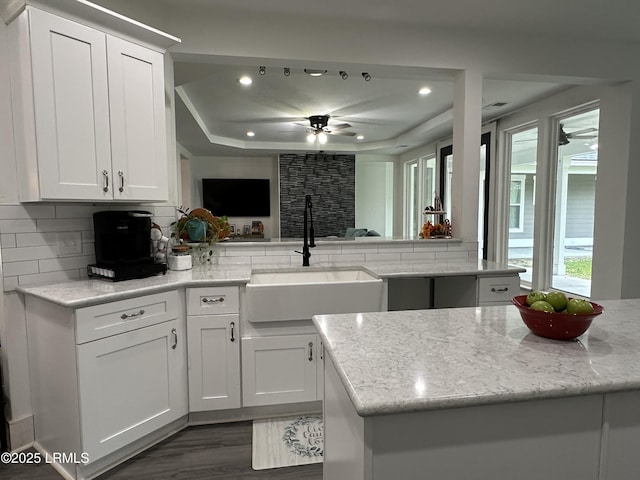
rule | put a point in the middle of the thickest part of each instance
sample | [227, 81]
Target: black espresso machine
[123, 246]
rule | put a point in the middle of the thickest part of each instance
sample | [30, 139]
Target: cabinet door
[71, 104]
[130, 385]
[279, 369]
[138, 136]
[214, 362]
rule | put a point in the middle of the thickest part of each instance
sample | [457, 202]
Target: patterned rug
[286, 441]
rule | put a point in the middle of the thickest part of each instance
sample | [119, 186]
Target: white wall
[239, 167]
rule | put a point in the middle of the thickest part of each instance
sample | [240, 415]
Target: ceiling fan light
[322, 138]
[314, 72]
[311, 138]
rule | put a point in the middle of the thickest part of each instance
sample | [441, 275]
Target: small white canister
[179, 262]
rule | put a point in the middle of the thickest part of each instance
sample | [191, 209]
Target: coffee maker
[123, 245]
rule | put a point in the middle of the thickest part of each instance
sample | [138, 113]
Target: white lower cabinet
[129, 386]
[214, 362]
[107, 379]
[280, 369]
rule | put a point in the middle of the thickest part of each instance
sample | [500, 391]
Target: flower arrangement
[437, 230]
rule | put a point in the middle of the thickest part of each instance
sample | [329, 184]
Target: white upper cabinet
[89, 113]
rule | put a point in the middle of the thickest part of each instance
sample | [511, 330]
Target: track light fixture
[366, 76]
[344, 75]
[262, 70]
[287, 71]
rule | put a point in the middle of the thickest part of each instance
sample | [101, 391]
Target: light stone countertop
[399, 362]
[81, 293]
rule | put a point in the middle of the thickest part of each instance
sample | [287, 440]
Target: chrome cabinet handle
[233, 335]
[105, 174]
[213, 300]
[124, 316]
[311, 351]
[121, 175]
[174, 333]
[321, 350]
[497, 290]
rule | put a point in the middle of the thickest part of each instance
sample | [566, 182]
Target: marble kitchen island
[470, 393]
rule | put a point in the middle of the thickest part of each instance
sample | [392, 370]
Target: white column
[467, 120]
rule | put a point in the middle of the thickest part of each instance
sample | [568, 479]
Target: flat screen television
[237, 197]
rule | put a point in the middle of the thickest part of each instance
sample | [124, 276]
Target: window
[516, 203]
[420, 190]
[523, 159]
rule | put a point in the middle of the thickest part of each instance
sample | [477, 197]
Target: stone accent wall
[330, 179]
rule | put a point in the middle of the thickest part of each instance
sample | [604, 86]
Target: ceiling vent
[495, 105]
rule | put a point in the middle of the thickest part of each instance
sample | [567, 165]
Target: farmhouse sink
[283, 295]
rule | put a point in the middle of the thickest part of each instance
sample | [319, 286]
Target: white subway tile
[418, 257]
[88, 236]
[164, 211]
[281, 249]
[351, 249]
[29, 253]
[20, 268]
[65, 225]
[10, 283]
[280, 260]
[17, 226]
[325, 249]
[395, 247]
[383, 257]
[17, 212]
[65, 263]
[78, 211]
[35, 239]
[233, 260]
[8, 240]
[430, 246]
[296, 260]
[244, 252]
[49, 277]
[347, 259]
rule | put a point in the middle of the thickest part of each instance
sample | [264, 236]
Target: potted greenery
[198, 226]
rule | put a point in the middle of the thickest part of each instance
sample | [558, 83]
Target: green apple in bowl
[535, 296]
[558, 300]
[579, 306]
[542, 305]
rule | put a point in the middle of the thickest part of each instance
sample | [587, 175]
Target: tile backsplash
[34, 239]
[35, 245]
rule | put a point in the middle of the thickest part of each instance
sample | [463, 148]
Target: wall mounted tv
[237, 197]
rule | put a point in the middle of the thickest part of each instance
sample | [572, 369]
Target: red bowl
[556, 325]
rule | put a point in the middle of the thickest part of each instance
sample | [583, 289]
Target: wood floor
[220, 452]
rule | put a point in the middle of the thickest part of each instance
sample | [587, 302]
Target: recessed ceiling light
[360, 137]
[245, 80]
[424, 91]
[250, 134]
[314, 72]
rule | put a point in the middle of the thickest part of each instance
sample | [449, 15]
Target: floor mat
[286, 441]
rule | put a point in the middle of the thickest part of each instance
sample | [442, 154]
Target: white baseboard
[21, 433]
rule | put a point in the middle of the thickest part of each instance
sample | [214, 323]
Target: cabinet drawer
[498, 289]
[212, 300]
[104, 320]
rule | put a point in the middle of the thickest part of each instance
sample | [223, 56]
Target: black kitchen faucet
[309, 232]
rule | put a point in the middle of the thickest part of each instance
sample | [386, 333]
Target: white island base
[591, 437]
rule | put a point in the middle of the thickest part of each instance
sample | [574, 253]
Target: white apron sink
[283, 295]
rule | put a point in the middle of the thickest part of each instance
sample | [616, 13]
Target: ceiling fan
[564, 137]
[319, 124]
